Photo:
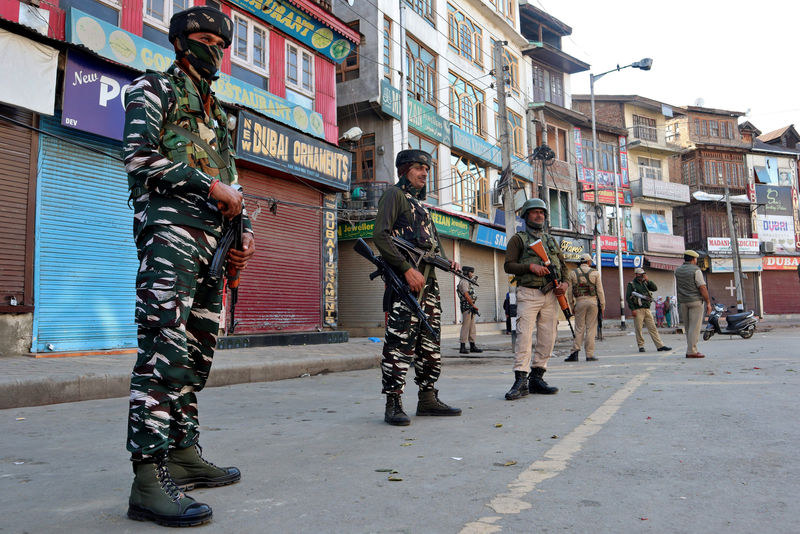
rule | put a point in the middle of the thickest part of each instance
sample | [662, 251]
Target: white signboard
[722, 245]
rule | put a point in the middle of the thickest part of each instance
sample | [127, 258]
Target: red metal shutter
[277, 64]
[781, 292]
[131, 17]
[16, 210]
[281, 290]
[325, 98]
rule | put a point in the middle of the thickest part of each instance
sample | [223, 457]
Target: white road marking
[554, 462]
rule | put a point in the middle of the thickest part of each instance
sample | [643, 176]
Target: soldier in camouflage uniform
[467, 298]
[179, 158]
[537, 306]
[402, 213]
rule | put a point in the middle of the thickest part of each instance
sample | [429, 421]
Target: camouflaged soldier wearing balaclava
[204, 58]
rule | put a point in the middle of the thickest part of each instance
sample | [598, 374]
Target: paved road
[633, 443]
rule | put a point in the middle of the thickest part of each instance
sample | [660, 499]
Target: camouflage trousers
[408, 341]
[177, 314]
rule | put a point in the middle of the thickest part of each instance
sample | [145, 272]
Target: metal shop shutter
[482, 259]
[281, 290]
[15, 171]
[85, 255]
[447, 287]
[360, 299]
[781, 292]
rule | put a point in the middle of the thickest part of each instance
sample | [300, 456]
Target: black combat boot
[520, 387]
[474, 348]
[536, 383]
[463, 349]
[429, 404]
[573, 357]
[156, 497]
[394, 411]
[190, 470]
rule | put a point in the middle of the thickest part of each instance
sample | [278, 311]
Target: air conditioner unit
[767, 247]
[497, 197]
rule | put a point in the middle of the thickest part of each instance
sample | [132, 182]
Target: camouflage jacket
[169, 176]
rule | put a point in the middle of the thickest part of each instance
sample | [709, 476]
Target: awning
[663, 263]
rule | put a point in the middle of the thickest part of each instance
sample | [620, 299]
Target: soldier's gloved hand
[415, 280]
[229, 200]
[539, 270]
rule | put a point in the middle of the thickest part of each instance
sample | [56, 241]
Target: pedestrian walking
[660, 312]
[401, 213]
[537, 306]
[639, 297]
[587, 300]
[179, 158]
[469, 311]
[668, 311]
[692, 292]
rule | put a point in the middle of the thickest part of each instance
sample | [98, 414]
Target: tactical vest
[464, 304]
[528, 256]
[186, 111]
[418, 227]
[685, 284]
[584, 287]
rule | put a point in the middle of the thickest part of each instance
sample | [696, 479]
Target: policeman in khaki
[179, 159]
[692, 294]
[639, 298]
[586, 292]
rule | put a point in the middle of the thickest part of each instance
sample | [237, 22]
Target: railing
[364, 195]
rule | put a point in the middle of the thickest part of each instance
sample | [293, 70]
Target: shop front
[780, 284]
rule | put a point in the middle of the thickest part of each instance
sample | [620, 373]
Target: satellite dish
[700, 102]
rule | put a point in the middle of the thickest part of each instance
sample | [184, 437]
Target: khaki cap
[638, 270]
[691, 253]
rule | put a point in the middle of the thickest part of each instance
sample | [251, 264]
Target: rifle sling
[213, 154]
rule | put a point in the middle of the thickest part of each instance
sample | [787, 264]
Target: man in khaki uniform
[586, 293]
[639, 299]
[692, 292]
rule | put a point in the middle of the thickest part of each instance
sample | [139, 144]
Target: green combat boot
[429, 404]
[536, 383]
[156, 497]
[189, 470]
[394, 414]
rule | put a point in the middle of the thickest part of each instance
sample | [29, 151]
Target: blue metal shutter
[85, 256]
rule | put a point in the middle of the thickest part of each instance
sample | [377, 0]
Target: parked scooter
[737, 324]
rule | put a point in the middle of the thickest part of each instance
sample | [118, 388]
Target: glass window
[249, 47]
[516, 133]
[364, 160]
[470, 186]
[422, 143]
[299, 70]
[158, 12]
[650, 168]
[466, 106]
[421, 69]
[423, 8]
[559, 209]
[387, 48]
[464, 35]
[644, 128]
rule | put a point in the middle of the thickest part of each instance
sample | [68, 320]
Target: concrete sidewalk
[26, 381]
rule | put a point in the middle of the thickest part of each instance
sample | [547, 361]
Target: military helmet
[412, 156]
[530, 204]
[201, 19]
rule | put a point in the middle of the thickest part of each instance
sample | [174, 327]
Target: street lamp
[642, 64]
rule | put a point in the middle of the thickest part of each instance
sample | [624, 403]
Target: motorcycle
[737, 324]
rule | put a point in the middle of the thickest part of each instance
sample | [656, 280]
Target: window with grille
[467, 108]
[650, 168]
[548, 85]
[644, 128]
[470, 186]
[348, 69]
[364, 160]
[158, 12]
[249, 47]
[421, 69]
[559, 209]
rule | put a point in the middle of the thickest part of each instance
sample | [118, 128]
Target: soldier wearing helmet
[586, 296]
[537, 306]
[401, 213]
[183, 187]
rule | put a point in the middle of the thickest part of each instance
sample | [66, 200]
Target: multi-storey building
[772, 163]
[715, 156]
[69, 285]
[452, 113]
[648, 222]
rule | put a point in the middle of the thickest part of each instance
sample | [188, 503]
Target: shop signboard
[269, 144]
[421, 117]
[572, 248]
[490, 237]
[475, 146]
[356, 230]
[138, 53]
[449, 225]
[725, 265]
[780, 263]
[722, 245]
[330, 261]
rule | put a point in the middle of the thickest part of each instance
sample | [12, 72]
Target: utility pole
[619, 222]
[595, 170]
[737, 265]
[505, 146]
[543, 185]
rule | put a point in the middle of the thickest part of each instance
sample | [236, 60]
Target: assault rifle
[419, 256]
[552, 280]
[231, 238]
[644, 299]
[474, 311]
[394, 282]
